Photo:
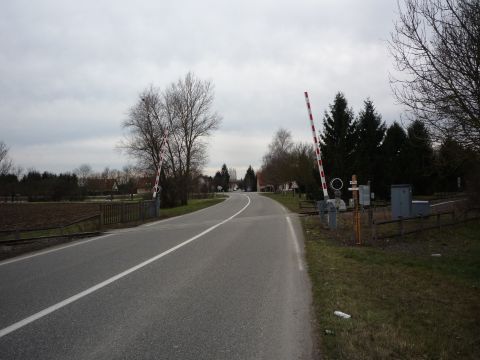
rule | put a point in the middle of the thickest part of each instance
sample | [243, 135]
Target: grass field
[404, 302]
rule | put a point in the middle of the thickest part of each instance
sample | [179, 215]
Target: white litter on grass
[342, 314]
[436, 255]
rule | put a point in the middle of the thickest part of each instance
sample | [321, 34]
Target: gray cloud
[71, 70]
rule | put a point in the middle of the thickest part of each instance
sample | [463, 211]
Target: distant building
[261, 185]
[97, 186]
[145, 184]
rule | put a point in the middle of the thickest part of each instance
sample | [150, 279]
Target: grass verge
[193, 205]
[405, 303]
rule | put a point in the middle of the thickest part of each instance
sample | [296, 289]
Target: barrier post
[316, 142]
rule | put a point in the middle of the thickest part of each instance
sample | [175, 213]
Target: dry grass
[405, 304]
[402, 305]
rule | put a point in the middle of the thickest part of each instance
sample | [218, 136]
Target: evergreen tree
[225, 177]
[338, 140]
[393, 159]
[250, 180]
[419, 166]
[218, 181]
[452, 161]
[9, 185]
[370, 134]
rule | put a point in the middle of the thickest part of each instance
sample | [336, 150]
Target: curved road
[226, 282]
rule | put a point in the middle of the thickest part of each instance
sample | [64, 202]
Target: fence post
[374, 231]
[400, 227]
[102, 215]
[122, 212]
[101, 221]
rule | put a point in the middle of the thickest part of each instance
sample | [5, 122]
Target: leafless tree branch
[436, 46]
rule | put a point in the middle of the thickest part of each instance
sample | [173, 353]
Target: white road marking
[94, 288]
[448, 202]
[295, 243]
[76, 243]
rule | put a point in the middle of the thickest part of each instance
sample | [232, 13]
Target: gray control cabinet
[401, 197]
[420, 208]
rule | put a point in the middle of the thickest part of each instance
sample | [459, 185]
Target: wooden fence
[109, 214]
[409, 225]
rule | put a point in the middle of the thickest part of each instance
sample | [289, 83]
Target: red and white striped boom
[317, 149]
[161, 154]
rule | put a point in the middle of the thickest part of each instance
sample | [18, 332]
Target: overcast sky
[70, 70]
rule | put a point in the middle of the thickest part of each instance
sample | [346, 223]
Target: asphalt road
[227, 282]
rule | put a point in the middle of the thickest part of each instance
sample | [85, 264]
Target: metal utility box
[420, 208]
[401, 197]
[364, 195]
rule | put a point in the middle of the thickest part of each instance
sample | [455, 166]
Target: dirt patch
[40, 215]
[9, 251]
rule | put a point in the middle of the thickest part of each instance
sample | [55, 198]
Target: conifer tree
[225, 177]
[419, 164]
[250, 180]
[370, 134]
[450, 164]
[393, 159]
[338, 140]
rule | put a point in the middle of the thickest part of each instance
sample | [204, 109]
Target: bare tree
[6, 165]
[185, 110]
[83, 172]
[277, 165]
[436, 47]
[188, 109]
[145, 125]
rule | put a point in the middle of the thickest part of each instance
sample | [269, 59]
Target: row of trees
[286, 161]
[363, 145]
[225, 177]
[37, 186]
[83, 181]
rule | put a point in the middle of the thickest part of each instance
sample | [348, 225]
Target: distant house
[261, 185]
[145, 184]
[97, 186]
[289, 186]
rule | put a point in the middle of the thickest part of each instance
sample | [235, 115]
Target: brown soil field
[43, 215]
